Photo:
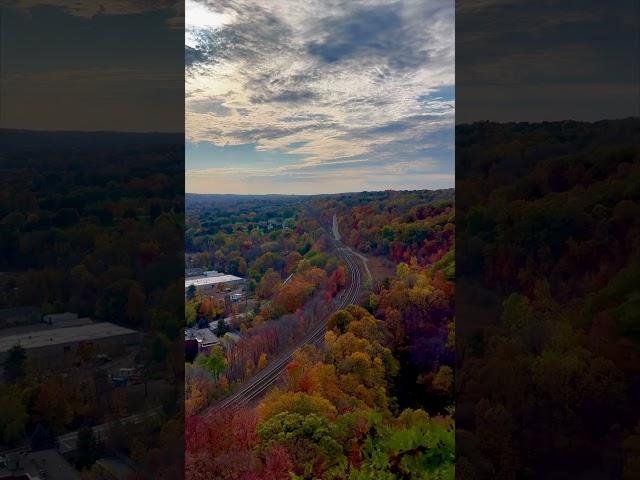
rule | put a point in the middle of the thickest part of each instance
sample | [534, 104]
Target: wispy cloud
[539, 61]
[89, 8]
[336, 83]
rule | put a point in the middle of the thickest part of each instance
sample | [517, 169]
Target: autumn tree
[269, 284]
[310, 441]
[214, 363]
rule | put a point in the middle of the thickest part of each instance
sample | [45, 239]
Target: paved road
[258, 385]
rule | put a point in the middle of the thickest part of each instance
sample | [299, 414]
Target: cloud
[89, 8]
[535, 61]
[331, 81]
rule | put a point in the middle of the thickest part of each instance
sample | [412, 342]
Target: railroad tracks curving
[258, 384]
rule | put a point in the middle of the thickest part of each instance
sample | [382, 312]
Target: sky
[84, 65]
[319, 96]
[545, 61]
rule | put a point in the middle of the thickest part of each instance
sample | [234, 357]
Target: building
[67, 319]
[14, 317]
[211, 280]
[54, 318]
[236, 297]
[203, 338]
[193, 272]
[42, 464]
[55, 345]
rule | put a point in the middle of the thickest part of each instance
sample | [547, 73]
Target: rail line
[257, 385]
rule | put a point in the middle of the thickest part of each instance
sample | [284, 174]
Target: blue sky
[297, 96]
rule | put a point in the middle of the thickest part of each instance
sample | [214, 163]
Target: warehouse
[209, 281]
[57, 344]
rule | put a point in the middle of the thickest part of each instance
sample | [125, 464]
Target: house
[206, 339]
[201, 340]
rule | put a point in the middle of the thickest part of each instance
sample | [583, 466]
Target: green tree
[191, 292]
[339, 321]
[214, 363]
[221, 328]
[415, 447]
[311, 440]
[190, 313]
[87, 448]
[402, 270]
[15, 366]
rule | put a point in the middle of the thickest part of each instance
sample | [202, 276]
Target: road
[258, 385]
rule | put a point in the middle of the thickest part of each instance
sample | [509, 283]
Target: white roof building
[211, 280]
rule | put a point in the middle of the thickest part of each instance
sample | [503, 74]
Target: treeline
[397, 225]
[416, 230]
[375, 402]
[334, 420]
[549, 230]
[95, 230]
[91, 223]
[294, 274]
[239, 249]
[295, 309]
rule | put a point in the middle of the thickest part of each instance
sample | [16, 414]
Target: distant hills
[208, 198]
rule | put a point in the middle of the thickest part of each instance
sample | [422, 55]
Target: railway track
[260, 383]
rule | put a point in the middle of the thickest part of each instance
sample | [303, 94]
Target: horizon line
[325, 193]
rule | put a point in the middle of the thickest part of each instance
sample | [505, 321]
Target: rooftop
[200, 281]
[44, 337]
[34, 464]
[203, 336]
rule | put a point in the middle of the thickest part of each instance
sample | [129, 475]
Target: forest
[375, 399]
[92, 223]
[547, 295]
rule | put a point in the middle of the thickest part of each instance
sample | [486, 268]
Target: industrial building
[211, 280]
[47, 344]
